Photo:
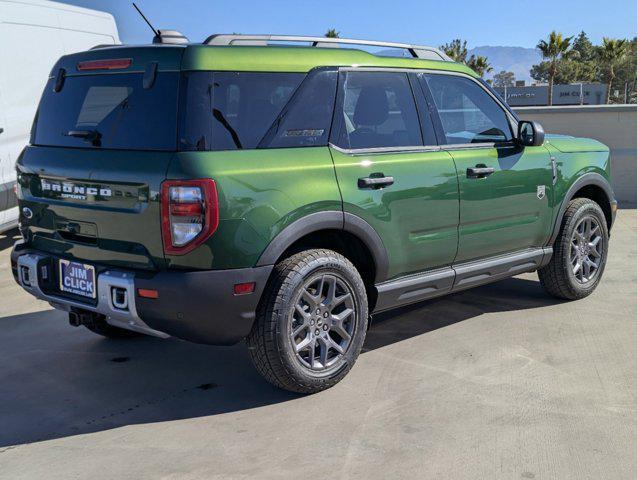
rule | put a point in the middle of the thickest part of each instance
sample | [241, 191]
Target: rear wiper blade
[92, 136]
[222, 120]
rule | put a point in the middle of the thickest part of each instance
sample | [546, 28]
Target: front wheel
[579, 253]
[311, 322]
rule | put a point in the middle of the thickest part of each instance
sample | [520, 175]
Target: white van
[33, 35]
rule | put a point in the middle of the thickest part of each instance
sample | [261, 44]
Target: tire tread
[262, 341]
[554, 277]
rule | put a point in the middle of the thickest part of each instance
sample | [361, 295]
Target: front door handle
[375, 181]
[479, 171]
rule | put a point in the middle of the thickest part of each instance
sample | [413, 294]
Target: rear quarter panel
[260, 193]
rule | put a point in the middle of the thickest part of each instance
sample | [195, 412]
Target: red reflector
[186, 209]
[147, 293]
[112, 64]
[244, 288]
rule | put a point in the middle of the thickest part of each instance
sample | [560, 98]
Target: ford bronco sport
[243, 189]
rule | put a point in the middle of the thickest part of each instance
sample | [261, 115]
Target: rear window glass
[232, 110]
[307, 119]
[110, 111]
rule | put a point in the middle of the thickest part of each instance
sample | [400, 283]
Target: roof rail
[416, 51]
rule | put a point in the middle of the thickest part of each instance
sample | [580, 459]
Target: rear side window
[110, 111]
[467, 112]
[378, 110]
[307, 119]
[232, 110]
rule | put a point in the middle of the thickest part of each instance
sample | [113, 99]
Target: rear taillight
[189, 214]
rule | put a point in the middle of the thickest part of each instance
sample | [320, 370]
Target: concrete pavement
[500, 382]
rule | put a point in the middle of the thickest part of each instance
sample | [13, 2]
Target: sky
[480, 22]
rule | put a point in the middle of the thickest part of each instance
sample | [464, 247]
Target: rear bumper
[199, 306]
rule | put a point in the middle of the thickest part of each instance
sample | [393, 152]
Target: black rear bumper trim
[198, 306]
[201, 306]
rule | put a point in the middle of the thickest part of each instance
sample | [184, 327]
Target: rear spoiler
[138, 57]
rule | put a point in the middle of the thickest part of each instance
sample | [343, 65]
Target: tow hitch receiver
[79, 317]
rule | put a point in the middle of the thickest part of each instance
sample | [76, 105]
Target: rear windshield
[110, 111]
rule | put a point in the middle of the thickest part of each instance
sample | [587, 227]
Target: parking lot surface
[497, 382]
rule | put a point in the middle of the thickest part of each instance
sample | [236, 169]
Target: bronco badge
[73, 190]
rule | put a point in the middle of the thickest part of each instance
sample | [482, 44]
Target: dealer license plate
[77, 278]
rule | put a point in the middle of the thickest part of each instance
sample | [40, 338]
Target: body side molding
[424, 286]
[473, 274]
[414, 288]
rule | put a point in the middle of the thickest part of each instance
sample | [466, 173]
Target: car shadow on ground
[8, 238]
[58, 381]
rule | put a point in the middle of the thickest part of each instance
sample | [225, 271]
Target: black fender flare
[329, 220]
[590, 178]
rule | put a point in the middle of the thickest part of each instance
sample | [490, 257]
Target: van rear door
[102, 142]
[4, 160]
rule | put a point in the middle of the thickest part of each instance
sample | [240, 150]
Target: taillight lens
[189, 214]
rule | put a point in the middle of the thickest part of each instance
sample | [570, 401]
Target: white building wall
[614, 125]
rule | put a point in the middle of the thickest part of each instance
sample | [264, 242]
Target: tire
[299, 341]
[101, 327]
[559, 277]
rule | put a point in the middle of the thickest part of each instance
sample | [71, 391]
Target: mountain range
[518, 60]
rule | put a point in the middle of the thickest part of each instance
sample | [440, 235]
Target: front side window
[468, 113]
[378, 110]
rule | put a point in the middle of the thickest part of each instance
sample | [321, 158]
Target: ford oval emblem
[27, 212]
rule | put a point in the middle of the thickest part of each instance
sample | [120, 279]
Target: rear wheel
[311, 322]
[579, 253]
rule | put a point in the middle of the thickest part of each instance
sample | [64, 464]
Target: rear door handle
[375, 180]
[479, 171]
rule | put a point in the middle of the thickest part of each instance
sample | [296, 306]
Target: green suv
[248, 189]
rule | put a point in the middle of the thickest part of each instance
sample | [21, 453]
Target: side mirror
[530, 134]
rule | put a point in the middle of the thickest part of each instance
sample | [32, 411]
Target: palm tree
[456, 50]
[479, 64]
[553, 51]
[332, 33]
[612, 53]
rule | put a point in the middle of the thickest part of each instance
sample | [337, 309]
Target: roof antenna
[164, 36]
[157, 34]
